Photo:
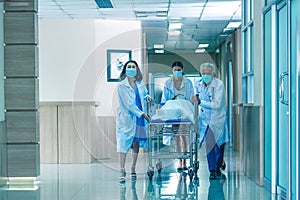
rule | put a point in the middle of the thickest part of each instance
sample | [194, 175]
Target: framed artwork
[115, 62]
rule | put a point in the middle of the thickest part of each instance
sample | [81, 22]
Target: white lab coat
[213, 109]
[127, 113]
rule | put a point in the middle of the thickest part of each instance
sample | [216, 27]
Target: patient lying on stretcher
[175, 110]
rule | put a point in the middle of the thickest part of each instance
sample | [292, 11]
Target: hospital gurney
[159, 128]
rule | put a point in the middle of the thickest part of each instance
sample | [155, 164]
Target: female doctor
[213, 123]
[178, 87]
[131, 116]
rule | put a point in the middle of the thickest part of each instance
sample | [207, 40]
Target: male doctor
[213, 123]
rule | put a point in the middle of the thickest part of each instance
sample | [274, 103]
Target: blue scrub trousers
[214, 153]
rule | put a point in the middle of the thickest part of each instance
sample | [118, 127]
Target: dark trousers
[214, 153]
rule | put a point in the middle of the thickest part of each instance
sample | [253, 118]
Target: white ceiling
[203, 21]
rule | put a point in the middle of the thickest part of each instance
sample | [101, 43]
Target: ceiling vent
[104, 3]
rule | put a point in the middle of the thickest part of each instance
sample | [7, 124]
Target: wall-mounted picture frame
[115, 62]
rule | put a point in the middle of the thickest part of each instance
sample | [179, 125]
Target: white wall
[73, 59]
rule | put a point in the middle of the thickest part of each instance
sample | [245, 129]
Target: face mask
[131, 72]
[206, 78]
[177, 74]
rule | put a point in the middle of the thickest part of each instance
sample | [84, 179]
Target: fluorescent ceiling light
[173, 26]
[174, 32]
[159, 46]
[233, 25]
[203, 45]
[199, 50]
[159, 51]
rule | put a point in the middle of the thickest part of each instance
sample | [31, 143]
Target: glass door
[295, 99]
[282, 103]
[276, 97]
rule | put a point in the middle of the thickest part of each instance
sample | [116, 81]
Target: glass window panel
[245, 54]
[248, 10]
[249, 56]
[245, 8]
[250, 98]
[251, 48]
[244, 89]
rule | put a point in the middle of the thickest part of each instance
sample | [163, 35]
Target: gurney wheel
[159, 166]
[150, 173]
[191, 174]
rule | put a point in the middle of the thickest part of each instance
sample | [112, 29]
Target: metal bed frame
[157, 129]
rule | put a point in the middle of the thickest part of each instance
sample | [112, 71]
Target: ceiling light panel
[173, 26]
[185, 10]
[216, 14]
[233, 25]
[216, 11]
[159, 6]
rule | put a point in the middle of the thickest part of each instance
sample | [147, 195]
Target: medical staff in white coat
[213, 118]
[178, 87]
[132, 118]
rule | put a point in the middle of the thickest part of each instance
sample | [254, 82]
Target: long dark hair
[138, 76]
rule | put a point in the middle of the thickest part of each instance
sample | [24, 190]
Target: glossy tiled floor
[99, 180]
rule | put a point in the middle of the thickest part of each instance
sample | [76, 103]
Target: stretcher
[158, 129]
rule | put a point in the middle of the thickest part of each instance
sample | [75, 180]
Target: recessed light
[203, 45]
[159, 46]
[199, 50]
[232, 25]
[173, 26]
[159, 51]
[174, 32]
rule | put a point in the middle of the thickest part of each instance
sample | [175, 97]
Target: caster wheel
[191, 174]
[150, 173]
[159, 166]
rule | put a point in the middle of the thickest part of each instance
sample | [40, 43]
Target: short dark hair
[177, 63]
[138, 76]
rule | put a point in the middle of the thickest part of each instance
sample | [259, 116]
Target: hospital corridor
[148, 100]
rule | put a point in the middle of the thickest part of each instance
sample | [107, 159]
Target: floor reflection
[216, 190]
[20, 192]
[99, 181]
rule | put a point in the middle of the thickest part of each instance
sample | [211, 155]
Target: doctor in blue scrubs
[212, 117]
[131, 116]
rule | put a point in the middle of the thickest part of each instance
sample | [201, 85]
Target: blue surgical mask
[131, 72]
[206, 78]
[177, 74]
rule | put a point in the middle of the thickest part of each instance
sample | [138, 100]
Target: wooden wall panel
[104, 138]
[48, 134]
[74, 134]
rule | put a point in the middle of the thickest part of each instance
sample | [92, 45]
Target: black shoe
[218, 172]
[213, 175]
